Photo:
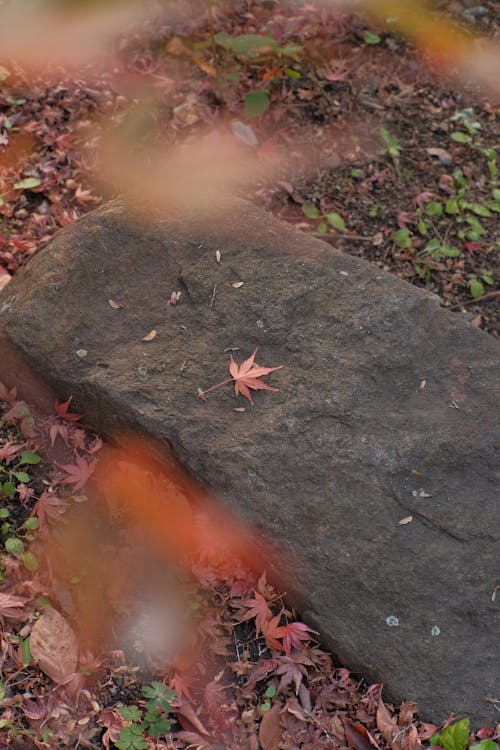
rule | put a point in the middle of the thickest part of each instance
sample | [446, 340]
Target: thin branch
[483, 298]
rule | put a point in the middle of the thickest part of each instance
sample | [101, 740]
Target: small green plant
[150, 721]
[456, 737]
[268, 696]
[11, 477]
[476, 284]
[391, 143]
[329, 220]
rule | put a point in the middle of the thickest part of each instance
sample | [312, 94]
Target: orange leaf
[247, 376]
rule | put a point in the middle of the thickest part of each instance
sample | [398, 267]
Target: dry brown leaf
[406, 520]
[187, 711]
[150, 336]
[114, 305]
[386, 724]
[54, 646]
[270, 729]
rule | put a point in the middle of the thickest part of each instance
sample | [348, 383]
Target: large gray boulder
[385, 410]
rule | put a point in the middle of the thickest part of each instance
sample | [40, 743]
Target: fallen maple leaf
[258, 608]
[246, 376]
[293, 634]
[77, 474]
[61, 409]
[47, 506]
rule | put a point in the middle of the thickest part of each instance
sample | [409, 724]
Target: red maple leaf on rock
[246, 377]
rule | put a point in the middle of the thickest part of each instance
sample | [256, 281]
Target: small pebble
[392, 621]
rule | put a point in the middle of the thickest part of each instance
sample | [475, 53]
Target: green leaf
[28, 183]
[485, 745]
[265, 706]
[487, 278]
[291, 73]
[475, 224]
[245, 44]
[256, 103]
[402, 238]
[391, 143]
[434, 209]
[371, 38]
[490, 154]
[357, 173]
[494, 206]
[431, 246]
[322, 227]
[456, 736]
[460, 137]
[159, 727]
[131, 713]
[4, 513]
[30, 457]
[14, 546]
[452, 206]
[271, 691]
[9, 489]
[131, 739]
[289, 50]
[479, 209]
[336, 221]
[310, 210]
[496, 194]
[30, 561]
[2, 690]
[422, 227]
[31, 524]
[22, 476]
[25, 648]
[448, 251]
[492, 166]
[476, 288]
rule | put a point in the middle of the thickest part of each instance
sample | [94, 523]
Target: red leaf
[357, 736]
[58, 429]
[258, 608]
[247, 376]
[272, 631]
[61, 410]
[294, 634]
[47, 506]
[77, 474]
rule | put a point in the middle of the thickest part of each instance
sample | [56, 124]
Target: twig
[333, 237]
[212, 296]
[483, 298]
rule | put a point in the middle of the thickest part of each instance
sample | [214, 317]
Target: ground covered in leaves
[389, 163]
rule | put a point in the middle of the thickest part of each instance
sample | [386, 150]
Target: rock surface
[385, 410]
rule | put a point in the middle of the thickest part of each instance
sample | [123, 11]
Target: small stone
[435, 630]
[81, 353]
[392, 621]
